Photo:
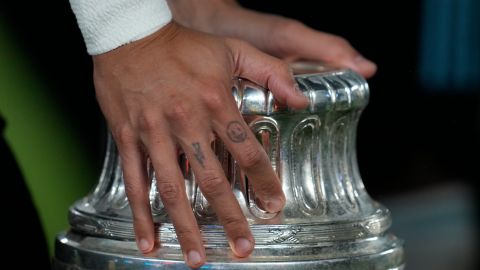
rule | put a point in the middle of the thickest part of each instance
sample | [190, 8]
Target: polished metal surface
[329, 221]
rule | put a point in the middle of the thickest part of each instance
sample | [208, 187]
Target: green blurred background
[56, 166]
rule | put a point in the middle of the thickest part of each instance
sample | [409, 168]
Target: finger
[135, 176]
[229, 125]
[252, 159]
[216, 189]
[191, 126]
[269, 72]
[328, 48]
[171, 187]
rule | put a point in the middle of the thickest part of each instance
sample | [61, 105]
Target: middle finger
[212, 182]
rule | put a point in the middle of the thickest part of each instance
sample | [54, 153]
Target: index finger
[252, 159]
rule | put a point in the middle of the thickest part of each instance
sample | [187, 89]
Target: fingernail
[243, 246]
[144, 245]
[274, 205]
[297, 91]
[193, 257]
[364, 63]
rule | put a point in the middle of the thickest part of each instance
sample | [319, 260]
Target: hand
[173, 89]
[278, 36]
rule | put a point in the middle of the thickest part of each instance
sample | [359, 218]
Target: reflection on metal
[329, 221]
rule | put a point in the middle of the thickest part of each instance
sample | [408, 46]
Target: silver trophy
[329, 221]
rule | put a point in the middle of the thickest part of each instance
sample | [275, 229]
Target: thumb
[267, 71]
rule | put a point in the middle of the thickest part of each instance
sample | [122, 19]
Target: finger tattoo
[236, 132]
[198, 154]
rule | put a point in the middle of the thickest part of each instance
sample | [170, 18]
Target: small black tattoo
[236, 132]
[198, 153]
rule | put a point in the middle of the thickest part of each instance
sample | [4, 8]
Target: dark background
[409, 136]
[413, 138]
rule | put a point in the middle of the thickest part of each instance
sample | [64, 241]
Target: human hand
[278, 36]
[172, 90]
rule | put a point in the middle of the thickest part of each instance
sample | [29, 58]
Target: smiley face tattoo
[235, 132]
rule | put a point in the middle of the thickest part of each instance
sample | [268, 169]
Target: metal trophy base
[328, 222]
[74, 251]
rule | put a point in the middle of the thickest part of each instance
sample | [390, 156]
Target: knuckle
[185, 233]
[210, 183]
[124, 134]
[236, 42]
[267, 188]
[243, 44]
[239, 46]
[214, 101]
[341, 48]
[169, 192]
[134, 191]
[233, 222]
[285, 29]
[147, 123]
[251, 156]
[283, 67]
[340, 41]
[179, 112]
[287, 25]
[141, 221]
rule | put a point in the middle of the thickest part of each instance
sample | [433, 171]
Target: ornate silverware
[329, 221]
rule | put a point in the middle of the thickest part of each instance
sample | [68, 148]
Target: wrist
[122, 54]
[108, 24]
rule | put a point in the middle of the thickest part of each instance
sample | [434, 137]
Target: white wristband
[109, 24]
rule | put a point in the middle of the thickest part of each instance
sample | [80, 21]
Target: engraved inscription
[285, 236]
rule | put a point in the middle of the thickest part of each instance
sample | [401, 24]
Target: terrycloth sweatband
[109, 24]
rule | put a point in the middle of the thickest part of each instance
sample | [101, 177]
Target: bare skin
[281, 37]
[172, 90]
